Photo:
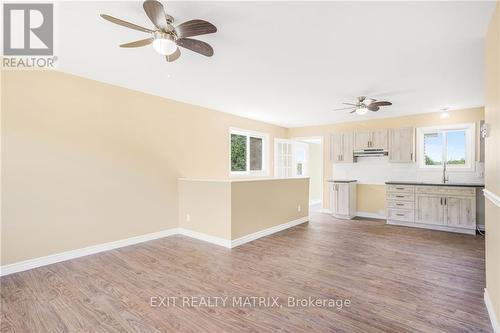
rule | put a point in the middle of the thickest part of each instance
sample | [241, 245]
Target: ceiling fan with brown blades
[166, 37]
[364, 104]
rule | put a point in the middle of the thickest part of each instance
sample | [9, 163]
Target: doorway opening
[302, 157]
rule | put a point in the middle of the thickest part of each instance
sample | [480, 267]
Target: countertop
[342, 180]
[239, 179]
[395, 182]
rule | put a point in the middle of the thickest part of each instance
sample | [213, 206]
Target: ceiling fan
[166, 37]
[364, 104]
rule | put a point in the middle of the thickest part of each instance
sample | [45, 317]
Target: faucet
[445, 177]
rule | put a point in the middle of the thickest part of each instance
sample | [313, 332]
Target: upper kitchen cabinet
[376, 139]
[401, 144]
[341, 148]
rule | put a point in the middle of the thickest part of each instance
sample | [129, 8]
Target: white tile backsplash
[378, 170]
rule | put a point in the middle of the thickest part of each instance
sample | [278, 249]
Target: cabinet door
[336, 147]
[347, 147]
[333, 198]
[342, 198]
[460, 212]
[379, 139]
[361, 140]
[401, 141]
[429, 209]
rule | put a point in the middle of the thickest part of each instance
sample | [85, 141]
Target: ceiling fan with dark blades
[166, 37]
[363, 105]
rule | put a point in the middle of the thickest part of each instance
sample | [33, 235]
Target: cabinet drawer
[451, 190]
[400, 196]
[401, 188]
[400, 215]
[460, 190]
[400, 204]
[429, 189]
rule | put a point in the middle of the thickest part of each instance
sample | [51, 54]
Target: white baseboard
[491, 312]
[433, 227]
[72, 254]
[268, 231]
[495, 199]
[206, 238]
[370, 215]
[67, 255]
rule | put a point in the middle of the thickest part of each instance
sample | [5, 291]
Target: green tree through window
[238, 152]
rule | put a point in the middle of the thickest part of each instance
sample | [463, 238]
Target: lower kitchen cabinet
[447, 208]
[343, 199]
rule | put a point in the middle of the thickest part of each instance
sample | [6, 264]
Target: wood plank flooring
[397, 279]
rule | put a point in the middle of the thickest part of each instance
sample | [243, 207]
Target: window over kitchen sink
[450, 144]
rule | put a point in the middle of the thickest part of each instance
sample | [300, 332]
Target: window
[248, 152]
[283, 158]
[453, 145]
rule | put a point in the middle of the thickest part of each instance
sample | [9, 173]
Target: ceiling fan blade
[139, 43]
[353, 111]
[348, 108]
[125, 23]
[156, 13]
[195, 28]
[196, 45]
[373, 108]
[381, 103]
[174, 56]
[350, 104]
[361, 99]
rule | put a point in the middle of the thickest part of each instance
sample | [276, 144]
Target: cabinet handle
[441, 201]
[400, 196]
[400, 188]
[445, 203]
[399, 204]
[400, 214]
[411, 156]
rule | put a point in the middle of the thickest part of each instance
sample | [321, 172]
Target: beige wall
[367, 194]
[208, 204]
[86, 162]
[236, 208]
[257, 205]
[315, 172]
[492, 161]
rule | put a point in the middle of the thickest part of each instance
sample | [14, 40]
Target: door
[362, 140]
[283, 158]
[342, 199]
[347, 148]
[336, 147]
[300, 153]
[379, 139]
[429, 209]
[460, 212]
[401, 141]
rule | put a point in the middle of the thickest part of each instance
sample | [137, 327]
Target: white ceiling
[291, 63]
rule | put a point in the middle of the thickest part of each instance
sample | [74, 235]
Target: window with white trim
[450, 144]
[248, 152]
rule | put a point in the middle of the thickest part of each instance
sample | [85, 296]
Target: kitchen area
[426, 177]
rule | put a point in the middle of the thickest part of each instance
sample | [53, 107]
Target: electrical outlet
[188, 217]
[299, 208]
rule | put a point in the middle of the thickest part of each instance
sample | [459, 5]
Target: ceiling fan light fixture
[164, 43]
[445, 113]
[361, 111]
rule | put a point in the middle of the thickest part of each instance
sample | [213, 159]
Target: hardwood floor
[397, 279]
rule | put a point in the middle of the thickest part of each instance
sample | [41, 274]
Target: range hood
[370, 152]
